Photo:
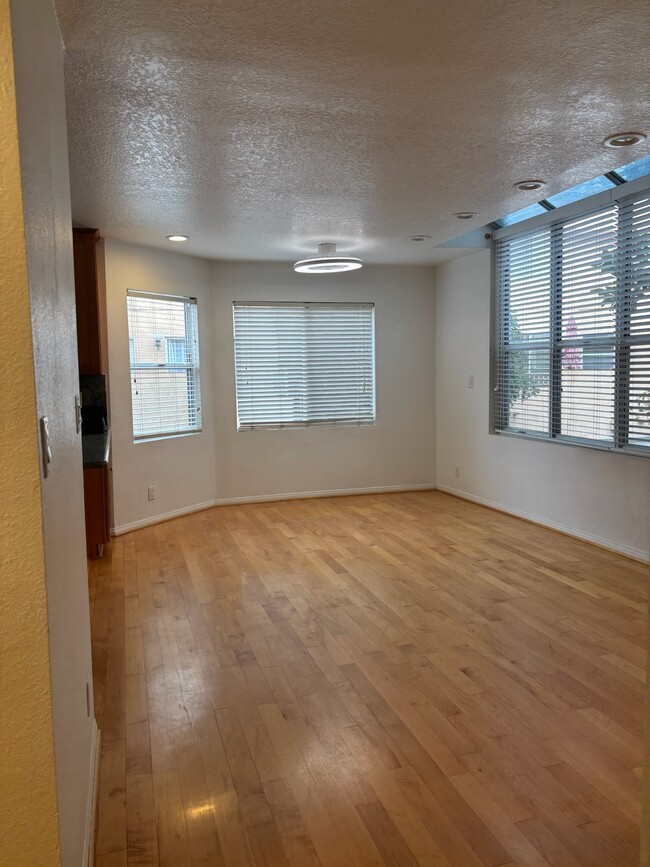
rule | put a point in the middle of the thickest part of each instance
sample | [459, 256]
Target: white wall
[596, 495]
[221, 464]
[182, 469]
[399, 450]
[593, 494]
[38, 59]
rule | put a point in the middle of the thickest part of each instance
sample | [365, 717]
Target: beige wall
[182, 469]
[26, 744]
[223, 465]
[594, 494]
[398, 451]
[38, 63]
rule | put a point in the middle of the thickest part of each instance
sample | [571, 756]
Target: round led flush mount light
[465, 215]
[327, 262]
[178, 238]
[624, 139]
[528, 186]
[419, 237]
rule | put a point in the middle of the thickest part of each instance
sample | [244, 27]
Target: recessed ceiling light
[465, 215]
[178, 237]
[327, 262]
[527, 186]
[419, 237]
[624, 139]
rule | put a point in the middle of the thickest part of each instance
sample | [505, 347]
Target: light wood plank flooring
[404, 679]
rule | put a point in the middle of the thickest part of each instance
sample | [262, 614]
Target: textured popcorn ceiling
[263, 128]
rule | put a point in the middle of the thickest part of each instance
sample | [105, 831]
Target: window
[571, 339]
[164, 357]
[634, 170]
[519, 216]
[175, 350]
[581, 191]
[304, 364]
[617, 177]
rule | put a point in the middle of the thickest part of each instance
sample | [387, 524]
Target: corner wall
[42, 132]
[182, 469]
[223, 465]
[26, 742]
[598, 496]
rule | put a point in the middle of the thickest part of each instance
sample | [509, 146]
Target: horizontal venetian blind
[299, 364]
[164, 360]
[572, 338]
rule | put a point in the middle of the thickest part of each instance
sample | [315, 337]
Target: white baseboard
[633, 553]
[93, 793]
[120, 529]
[337, 492]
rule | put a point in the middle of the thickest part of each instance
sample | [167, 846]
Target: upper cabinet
[90, 291]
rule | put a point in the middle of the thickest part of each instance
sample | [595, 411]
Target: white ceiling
[263, 127]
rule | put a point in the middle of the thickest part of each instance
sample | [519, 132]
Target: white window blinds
[164, 358]
[304, 364]
[572, 329]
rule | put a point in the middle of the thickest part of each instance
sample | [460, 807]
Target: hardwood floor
[404, 679]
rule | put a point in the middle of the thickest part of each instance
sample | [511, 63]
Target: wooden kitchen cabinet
[90, 295]
[92, 348]
[96, 502]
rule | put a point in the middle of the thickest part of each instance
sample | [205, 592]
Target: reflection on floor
[404, 679]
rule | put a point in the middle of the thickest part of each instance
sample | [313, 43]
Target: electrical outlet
[151, 492]
[457, 472]
[471, 381]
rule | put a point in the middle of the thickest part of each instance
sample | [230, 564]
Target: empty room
[325, 433]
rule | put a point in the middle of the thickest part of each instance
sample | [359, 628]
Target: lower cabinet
[97, 517]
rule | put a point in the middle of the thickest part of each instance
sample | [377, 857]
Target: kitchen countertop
[96, 450]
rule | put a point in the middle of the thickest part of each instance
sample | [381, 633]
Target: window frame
[244, 427]
[631, 190]
[193, 370]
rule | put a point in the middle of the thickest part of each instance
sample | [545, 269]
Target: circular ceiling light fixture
[465, 215]
[419, 237]
[327, 262]
[528, 186]
[178, 238]
[624, 139]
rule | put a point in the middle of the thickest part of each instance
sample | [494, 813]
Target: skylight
[630, 172]
[635, 170]
[524, 214]
[581, 191]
